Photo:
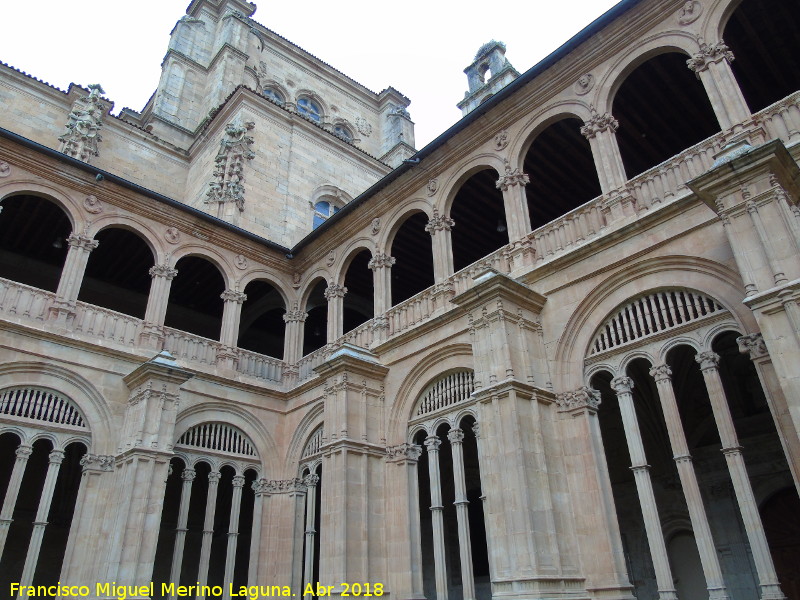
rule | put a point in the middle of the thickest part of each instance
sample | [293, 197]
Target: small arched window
[309, 109]
[274, 95]
[343, 132]
[323, 210]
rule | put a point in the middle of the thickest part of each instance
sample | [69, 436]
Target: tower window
[310, 109]
[274, 95]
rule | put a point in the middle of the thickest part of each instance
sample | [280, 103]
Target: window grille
[652, 314]
[40, 405]
[451, 389]
[314, 443]
[218, 437]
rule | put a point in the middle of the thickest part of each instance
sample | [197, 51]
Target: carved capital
[598, 123]
[295, 315]
[432, 443]
[83, 242]
[708, 360]
[238, 481]
[408, 452]
[709, 54]
[56, 457]
[753, 344]
[163, 271]
[622, 385]
[582, 398]
[98, 462]
[381, 261]
[439, 223]
[233, 296]
[511, 178]
[476, 429]
[24, 451]
[335, 290]
[311, 480]
[188, 474]
[213, 477]
[661, 373]
[260, 486]
[456, 436]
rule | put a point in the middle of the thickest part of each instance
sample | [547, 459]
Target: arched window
[274, 95]
[309, 109]
[322, 211]
[343, 132]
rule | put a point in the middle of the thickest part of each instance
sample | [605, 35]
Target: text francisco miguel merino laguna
[249, 592]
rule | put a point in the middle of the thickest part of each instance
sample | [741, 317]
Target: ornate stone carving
[381, 261]
[331, 258]
[433, 186]
[233, 296]
[237, 481]
[56, 457]
[311, 480]
[334, 290]
[622, 385]
[284, 486]
[163, 271]
[511, 178]
[363, 126]
[707, 360]
[583, 397]
[82, 133]
[432, 443]
[380, 323]
[376, 226]
[584, 84]
[501, 140]
[260, 486]
[24, 451]
[476, 429]
[172, 235]
[82, 241]
[240, 261]
[598, 123]
[5, 169]
[188, 474]
[234, 150]
[439, 223]
[92, 205]
[409, 452]
[456, 436]
[295, 315]
[214, 476]
[399, 111]
[753, 344]
[709, 54]
[100, 462]
[661, 372]
[690, 12]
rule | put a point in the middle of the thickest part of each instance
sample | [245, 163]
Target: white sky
[419, 47]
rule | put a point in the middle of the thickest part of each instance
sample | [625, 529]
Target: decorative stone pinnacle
[234, 150]
[439, 223]
[511, 178]
[335, 290]
[707, 360]
[381, 261]
[661, 372]
[752, 344]
[709, 54]
[82, 131]
[598, 123]
[622, 385]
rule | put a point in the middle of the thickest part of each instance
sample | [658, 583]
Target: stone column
[622, 386]
[600, 131]
[233, 534]
[381, 265]
[432, 444]
[335, 294]
[23, 452]
[767, 578]
[40, 522]
[512, 183]
[442, 245]
[293, 334]
[712, 66]
[311, 482]
[456, 437]
[208, 527]
[153, 328]
[691, 490]
[187, 476]
[229, 332]
[69, 286]
[261, 489]
[753, 345]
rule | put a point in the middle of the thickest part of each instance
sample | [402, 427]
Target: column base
[62, 313]
[771, 591]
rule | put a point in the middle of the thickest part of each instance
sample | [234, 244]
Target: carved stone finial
[234, 150]
[82, 131]
[511, 178]
[598, 123]
[709, 54]
[752, 344]
[439, 223]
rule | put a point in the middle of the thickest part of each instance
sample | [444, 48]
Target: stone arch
[138, 227]
[637, 354]
[64, 201]
[273, 279]
[396, 219]
[207, 253]
[75, 387]
[716, 18]
[425, 370]
[541, 120]
[313, 419]
[709, 277]
[349, 252]
[461, 173]
[311, 282]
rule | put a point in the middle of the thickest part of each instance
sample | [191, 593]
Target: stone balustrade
[190, 347]
[21, 303]
[259, 366]
[104, 324]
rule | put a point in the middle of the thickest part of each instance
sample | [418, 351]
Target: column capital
[311, 480]
[334, 290]
[511, 178]
[23, 451]
[598, 123]
[432, 443]
[403, 452]
[261, 487]
[164, 271]
[622, 385]
[708, 361]
[708, 54]
[188, 474]
[213, 477]
[238, 481]
[233, 296]
[456, 436]
[99, 462]
[439, 223]
[295, 315]
[56, 457]
[753, 344]
[583, 397]
[661, 373]
[84, 242]
[381, 261]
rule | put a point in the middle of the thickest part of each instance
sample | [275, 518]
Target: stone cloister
[251, 336]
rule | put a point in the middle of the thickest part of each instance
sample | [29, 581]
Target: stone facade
[225, 362]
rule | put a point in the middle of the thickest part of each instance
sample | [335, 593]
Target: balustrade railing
[306, 364]
[19, 301]
[782, 119]
[259, 365]
[102, 323]
[193, 348]
[360, 336]
[578, 225]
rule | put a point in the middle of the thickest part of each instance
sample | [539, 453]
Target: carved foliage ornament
[381, 261]
[409, 452]
[439, 223]
[583, 397]
[752, 344]
[511, 178]
[295, 315]
[234, 149]
[82, 132]
[598, 123]
[708, 54]
[335, 290]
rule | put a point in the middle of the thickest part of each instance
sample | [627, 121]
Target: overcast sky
[420, 47]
